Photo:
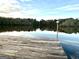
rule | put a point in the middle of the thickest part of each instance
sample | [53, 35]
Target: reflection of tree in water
[23, 28]
[48, 29]
[69, 29]
[31, 28]
[16, 28]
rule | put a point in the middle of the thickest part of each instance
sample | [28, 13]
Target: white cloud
[50, 17]
[9, 6]
[69, 7]
[14, 8]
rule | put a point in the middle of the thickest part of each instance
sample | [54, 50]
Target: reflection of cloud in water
[43, 35]
[32, 34]
[15, 33]
[71, 37]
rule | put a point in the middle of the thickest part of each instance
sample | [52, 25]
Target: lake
[69, 41]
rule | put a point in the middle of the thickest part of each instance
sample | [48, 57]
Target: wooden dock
[12, 47]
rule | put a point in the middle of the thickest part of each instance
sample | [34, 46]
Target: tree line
[68, 22]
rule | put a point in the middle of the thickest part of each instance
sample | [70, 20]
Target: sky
[39, 9]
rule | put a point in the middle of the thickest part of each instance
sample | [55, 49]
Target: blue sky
[47, 9]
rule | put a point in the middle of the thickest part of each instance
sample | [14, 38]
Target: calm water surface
[69, 42]
[44, 34]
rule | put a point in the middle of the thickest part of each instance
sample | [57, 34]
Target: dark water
[69, 41]
[70, 44]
